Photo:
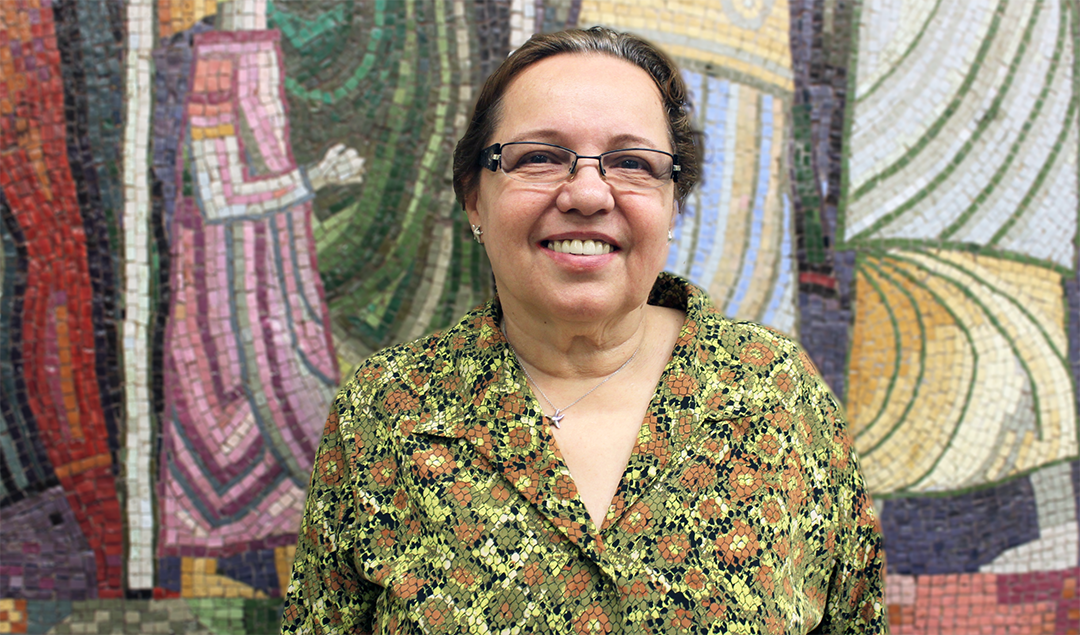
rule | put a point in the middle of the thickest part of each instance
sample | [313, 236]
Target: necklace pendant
[557, 418]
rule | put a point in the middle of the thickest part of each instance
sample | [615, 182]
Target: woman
[597, 449]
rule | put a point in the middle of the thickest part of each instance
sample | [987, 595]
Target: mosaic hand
[340, 166]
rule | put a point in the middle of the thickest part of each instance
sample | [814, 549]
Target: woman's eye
[632, 164]
[537, 160]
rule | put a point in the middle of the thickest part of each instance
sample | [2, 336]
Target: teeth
[580, 247]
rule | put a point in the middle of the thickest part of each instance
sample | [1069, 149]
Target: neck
[571, 350]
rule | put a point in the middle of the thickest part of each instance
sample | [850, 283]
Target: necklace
[556, 419]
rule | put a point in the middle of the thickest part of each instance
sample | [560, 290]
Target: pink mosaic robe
[249, 364]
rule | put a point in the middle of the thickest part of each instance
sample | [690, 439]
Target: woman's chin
[572, 289]
[590, 304]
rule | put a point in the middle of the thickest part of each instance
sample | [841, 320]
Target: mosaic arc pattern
[735, 237]
[958, 223]
[989, 159]
[963, 213]
[940, 336]
[893, 181]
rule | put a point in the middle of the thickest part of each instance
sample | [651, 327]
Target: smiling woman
[680, 472]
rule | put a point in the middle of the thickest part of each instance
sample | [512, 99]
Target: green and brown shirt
[440, 503]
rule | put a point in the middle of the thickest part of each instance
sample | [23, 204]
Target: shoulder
[410, 383]
[745, 350]
[799, 402]
[746, 369]
[726, 339]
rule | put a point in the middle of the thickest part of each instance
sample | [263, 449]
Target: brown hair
[601, 40]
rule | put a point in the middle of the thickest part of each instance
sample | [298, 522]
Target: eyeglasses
[535, 162]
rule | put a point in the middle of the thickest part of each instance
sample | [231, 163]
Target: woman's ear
[471, 200]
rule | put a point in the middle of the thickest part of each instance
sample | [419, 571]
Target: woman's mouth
[579, 247]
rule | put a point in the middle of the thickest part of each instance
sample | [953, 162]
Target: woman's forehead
[564, 97]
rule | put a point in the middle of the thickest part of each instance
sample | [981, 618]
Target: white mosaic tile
[989, 152]
[137, 373]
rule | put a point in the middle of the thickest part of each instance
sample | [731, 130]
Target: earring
[670, 236]
[477, 233]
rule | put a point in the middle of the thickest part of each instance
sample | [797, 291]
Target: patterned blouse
[440, 503]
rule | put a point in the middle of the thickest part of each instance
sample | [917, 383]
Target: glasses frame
[491, 159]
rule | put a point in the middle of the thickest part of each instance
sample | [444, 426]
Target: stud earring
[477, 233]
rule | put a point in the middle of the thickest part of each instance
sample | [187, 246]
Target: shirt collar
[490, 384]
[487, 403]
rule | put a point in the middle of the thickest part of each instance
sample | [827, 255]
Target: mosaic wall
[212, 212]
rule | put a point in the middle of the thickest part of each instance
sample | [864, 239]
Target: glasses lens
[632, 168]
[638, 168]
[536, 162]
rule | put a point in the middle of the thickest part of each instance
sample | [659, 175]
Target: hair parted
[596, 40]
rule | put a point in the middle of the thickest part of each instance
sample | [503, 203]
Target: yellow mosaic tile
[176, 15]
[13, 616]
[283, 560]
[983, 394]
[751, 38]
[199, 579]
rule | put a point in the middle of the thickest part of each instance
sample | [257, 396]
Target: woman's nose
[587, 191]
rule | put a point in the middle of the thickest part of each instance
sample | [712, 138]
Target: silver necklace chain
[556, 419]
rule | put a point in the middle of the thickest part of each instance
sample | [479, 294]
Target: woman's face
[589, 104]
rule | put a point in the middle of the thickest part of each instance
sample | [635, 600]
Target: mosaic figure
[249, 364]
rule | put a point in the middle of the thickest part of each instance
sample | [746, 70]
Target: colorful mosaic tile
[133, 616]
[986, 166]
[211, 211]
[59, 384]
[989, 159]
[735, 235]
[13, 616]
[960, 216]
[43, 553]
[984, 603]
[748, 38]
[248, 354]
[958, 375]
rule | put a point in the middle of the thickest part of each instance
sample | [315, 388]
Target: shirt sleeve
[329, 592]
[855, 602]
